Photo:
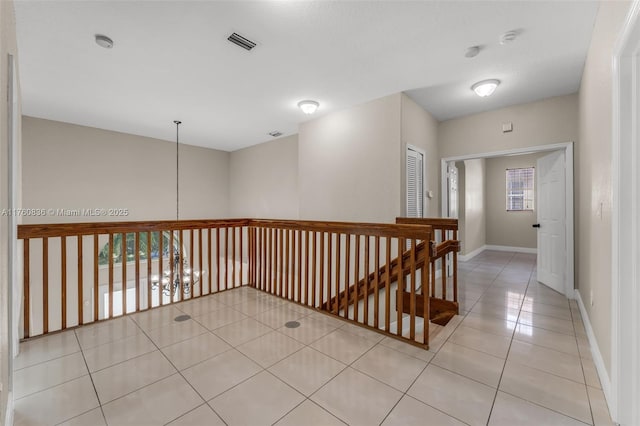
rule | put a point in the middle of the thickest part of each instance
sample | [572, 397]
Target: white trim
[467, 257]
[8, 417]
[625, 214]
[512, 249]
[568, 148]
[595, 350]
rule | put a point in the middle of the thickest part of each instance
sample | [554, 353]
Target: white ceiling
[171, 60]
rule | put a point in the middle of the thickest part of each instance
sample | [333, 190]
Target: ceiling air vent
[275, 133]
[245, 43]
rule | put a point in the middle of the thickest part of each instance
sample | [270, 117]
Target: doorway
[567, 285]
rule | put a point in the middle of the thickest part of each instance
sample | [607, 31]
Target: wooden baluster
[387, 287]
[400, 296]
[356, 279]
[241, 258]
[264, 260]
[313, 270]
[329, 275]
[444, 277]
[455, 268]
[234, 280]
[63, 280]
[191, 264]
[96, 260]
[433, 272]
[217, 260]
[336, 304]
[45, 285]
[306, 268]
[347, 264]
[149, 302]
[425, 294]
[80, 283]
[200, 270]
[376, 282]
[365, 292]
[25, 288]
[136, 248]
[270, 260]
[160, 266]
[321, 290]
[280, 263]
[171, 268]
[110, 295]
[299, 294]
[287, 273]
[123, 261]
[412, 301]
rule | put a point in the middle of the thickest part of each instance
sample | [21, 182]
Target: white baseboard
[8, 418]
[512, 249]
[605, 381]
[467, 257]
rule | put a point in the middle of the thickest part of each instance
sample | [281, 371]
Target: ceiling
[172, 60]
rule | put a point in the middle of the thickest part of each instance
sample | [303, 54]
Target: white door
[551, 220]
[415, 183]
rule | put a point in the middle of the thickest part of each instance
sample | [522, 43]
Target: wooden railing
[315, 264]
[72, 278]
[76, 274]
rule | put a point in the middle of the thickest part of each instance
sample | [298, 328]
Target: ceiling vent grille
[243, 42]
[275, 133]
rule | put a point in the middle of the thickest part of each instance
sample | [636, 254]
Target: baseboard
[8, 418]
[512, 249]
[605, 381]
[467, 257]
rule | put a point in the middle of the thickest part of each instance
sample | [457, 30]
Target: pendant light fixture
[177, 123]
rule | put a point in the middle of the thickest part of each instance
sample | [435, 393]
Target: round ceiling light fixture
[308, 107]
[104, 41]
[485, 88]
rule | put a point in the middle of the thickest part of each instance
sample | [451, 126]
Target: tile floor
[517, 355]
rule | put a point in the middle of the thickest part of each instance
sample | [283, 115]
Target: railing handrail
[418, 232]
[52, 230]
[446, 223]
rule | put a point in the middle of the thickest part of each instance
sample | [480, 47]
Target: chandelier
[180, 275]
[188, 279]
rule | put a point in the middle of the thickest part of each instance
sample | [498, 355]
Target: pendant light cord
[177, 169]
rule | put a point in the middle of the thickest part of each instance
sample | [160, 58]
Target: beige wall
[552, 120]
[420, 129]
[74, 167]
[504, 228]
[474, 206]
[594, 174]
[7, 46]
[263, 180]
[349, 163]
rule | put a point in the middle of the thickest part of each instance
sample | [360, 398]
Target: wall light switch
[507, 127]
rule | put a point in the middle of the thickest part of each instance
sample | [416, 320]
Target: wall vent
[275, 133]
[243, 42]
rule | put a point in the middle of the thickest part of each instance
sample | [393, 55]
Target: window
[520, 187]
[103, 256]
[415, 182]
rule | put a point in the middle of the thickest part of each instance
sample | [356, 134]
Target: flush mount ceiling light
[485, 88]
[104, 41]
[308, 107]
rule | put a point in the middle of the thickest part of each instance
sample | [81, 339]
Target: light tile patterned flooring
[517, 355]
